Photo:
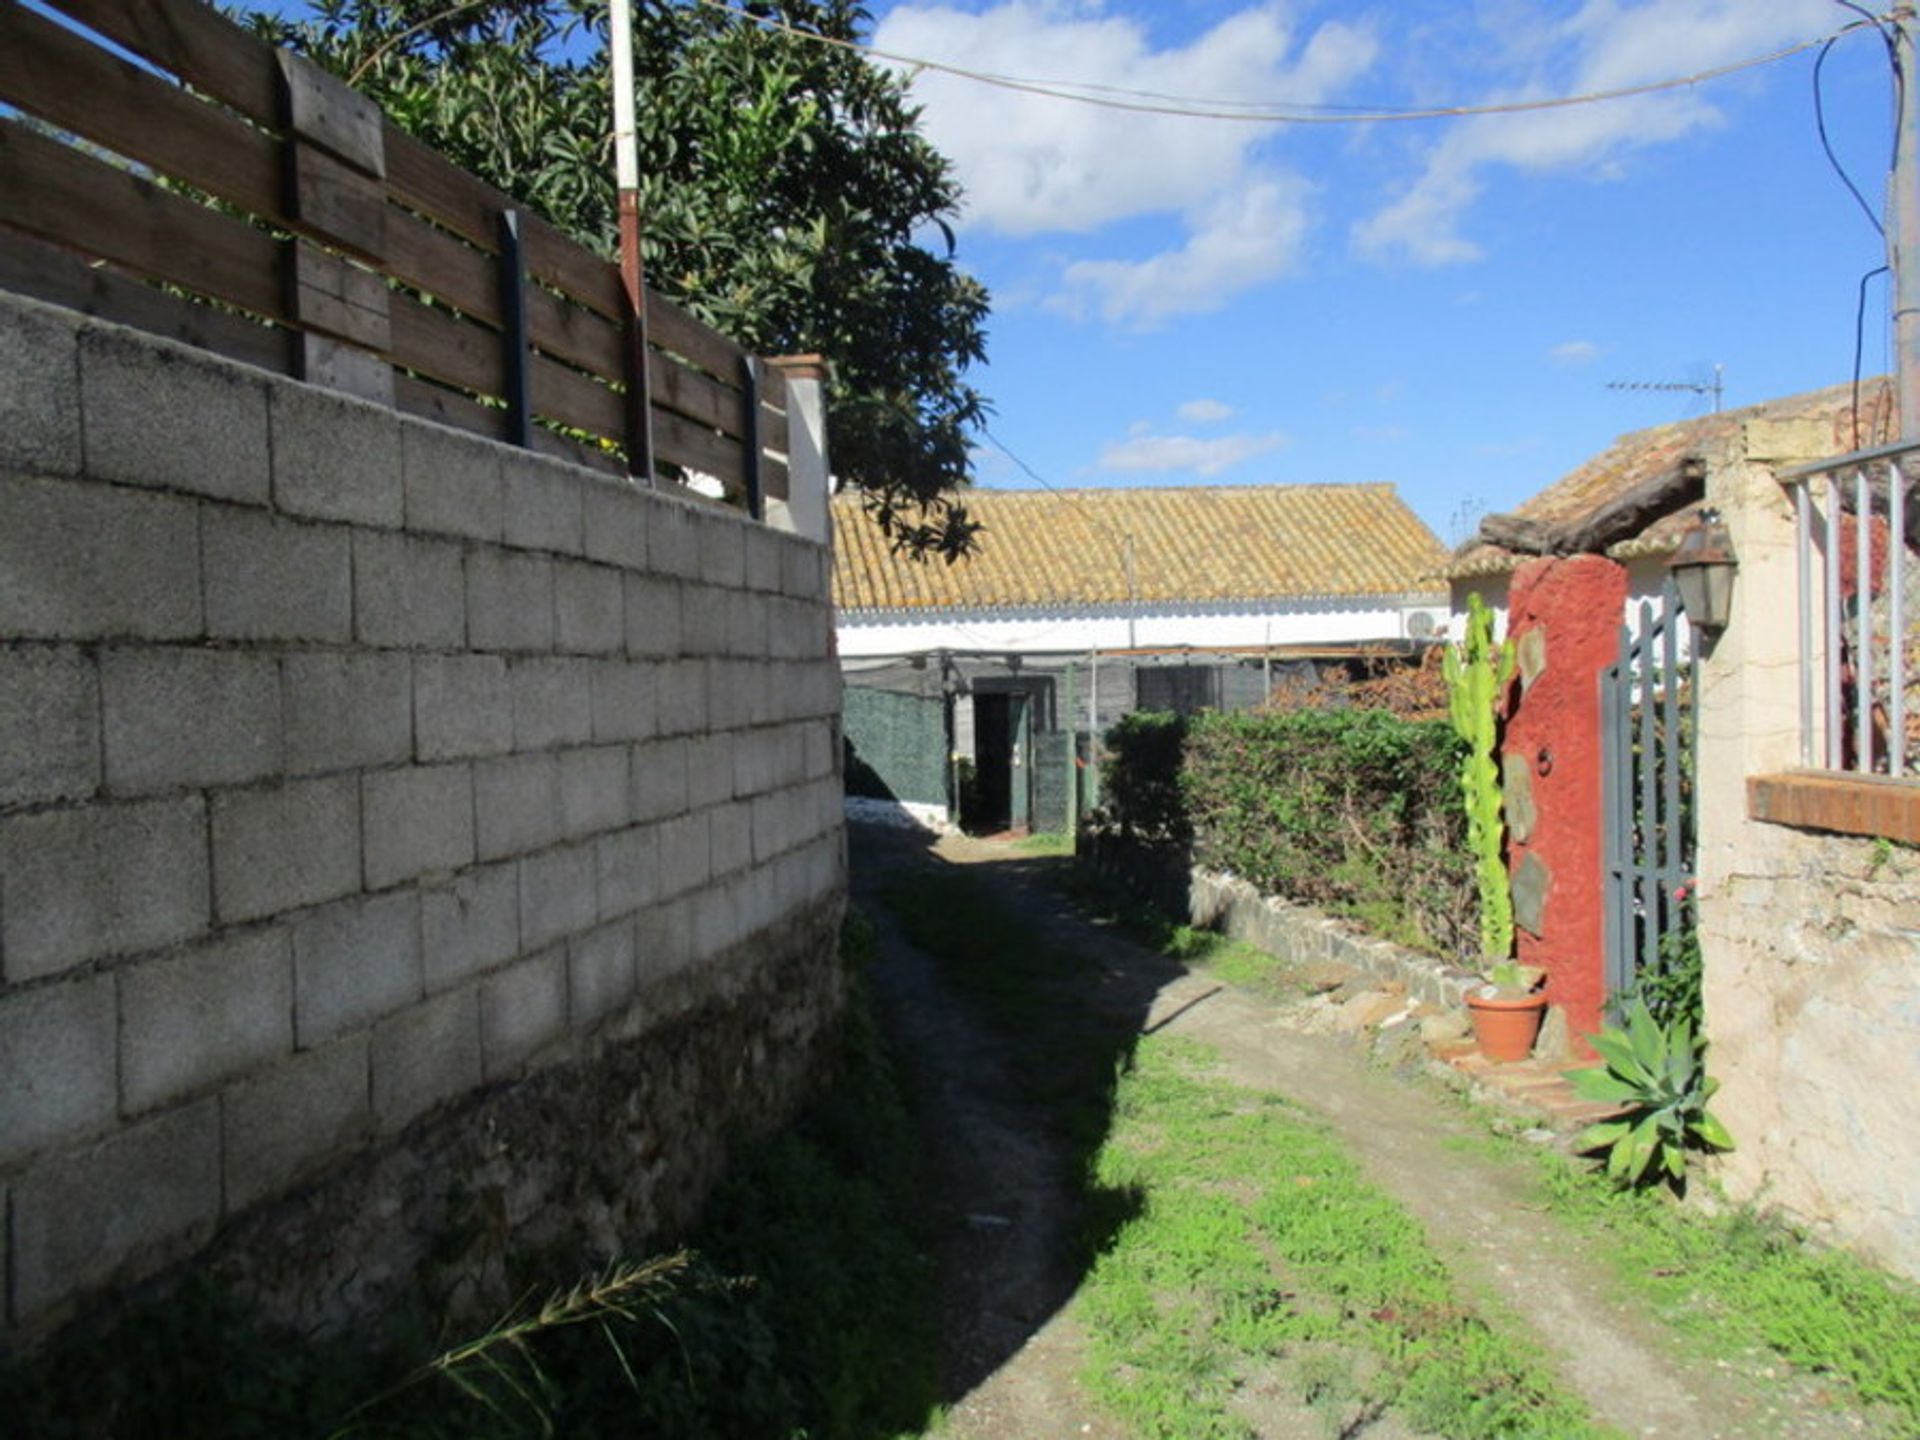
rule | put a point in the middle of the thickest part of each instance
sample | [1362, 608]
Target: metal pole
[1903, 227]
[626, 171]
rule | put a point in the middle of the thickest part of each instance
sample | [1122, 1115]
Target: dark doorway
[1000, 741]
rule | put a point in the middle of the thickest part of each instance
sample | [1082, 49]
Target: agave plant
[1659, 1074]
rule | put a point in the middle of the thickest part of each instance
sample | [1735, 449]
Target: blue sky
[1438, 304]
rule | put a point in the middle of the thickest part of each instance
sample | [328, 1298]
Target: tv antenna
[1714, 387]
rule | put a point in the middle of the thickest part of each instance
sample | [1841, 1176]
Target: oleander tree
[791, 201]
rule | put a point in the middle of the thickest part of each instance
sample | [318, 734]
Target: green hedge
[1357, 811]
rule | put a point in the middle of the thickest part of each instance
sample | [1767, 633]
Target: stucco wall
[1811, 942]
[355, 775]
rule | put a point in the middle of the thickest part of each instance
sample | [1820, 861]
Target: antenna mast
[1714, 387]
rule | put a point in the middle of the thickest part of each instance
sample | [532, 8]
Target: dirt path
[1006, 1205]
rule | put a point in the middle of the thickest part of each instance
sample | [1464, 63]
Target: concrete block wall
[349, 765]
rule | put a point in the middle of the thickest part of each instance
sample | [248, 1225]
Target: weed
[1259, 1246]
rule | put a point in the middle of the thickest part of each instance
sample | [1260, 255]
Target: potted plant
[1508, 1008]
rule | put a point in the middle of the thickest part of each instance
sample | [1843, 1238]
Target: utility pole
[626, 168]
[1903, 220]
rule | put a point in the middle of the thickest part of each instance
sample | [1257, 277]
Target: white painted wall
[1030, 632]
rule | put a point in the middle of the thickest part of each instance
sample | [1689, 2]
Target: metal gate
[1647, 743]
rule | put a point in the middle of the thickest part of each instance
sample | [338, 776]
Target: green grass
[1234, 961]
[1259, 1250]
[806, 1310]
[1735, 1283]
[1045, 843]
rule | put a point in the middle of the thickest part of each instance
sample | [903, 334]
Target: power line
[1271, 112]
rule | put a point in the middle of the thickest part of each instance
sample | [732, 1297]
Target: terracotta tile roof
[1043, 548]
[1646, 454]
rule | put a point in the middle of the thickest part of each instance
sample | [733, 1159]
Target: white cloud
[1604, 45]
[1031, 164]
[1243, 238]
[1574, 352]
[1205, 412]
[1161, 453]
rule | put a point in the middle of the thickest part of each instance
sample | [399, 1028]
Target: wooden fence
[237, 197]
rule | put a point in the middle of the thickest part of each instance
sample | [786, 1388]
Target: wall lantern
[1703, 568]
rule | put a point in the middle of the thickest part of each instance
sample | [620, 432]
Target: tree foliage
[786, 188]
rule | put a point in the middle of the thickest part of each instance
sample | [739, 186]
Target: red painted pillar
[1564, 618]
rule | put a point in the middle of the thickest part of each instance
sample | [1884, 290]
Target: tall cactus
[1477, 672]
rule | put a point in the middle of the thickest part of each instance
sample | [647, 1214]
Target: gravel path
[1005, 1206]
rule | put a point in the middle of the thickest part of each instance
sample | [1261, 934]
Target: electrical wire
[1273, 113]
[1826, 145]
[1859, 344]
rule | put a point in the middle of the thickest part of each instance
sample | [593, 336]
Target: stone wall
[386, 816]
[1811, 942]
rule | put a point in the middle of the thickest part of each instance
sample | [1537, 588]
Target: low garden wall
[412, 851]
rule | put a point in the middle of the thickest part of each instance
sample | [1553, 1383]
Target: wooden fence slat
[572, 399]
[557, 259]
[681, 442]
[440, 344]
[444, 267]
[47, 272]
[677, 331]
[447, 407]
[698, 397]
[57, 192]
[426, 181]
[582, 337]
[72, 83]
[194, 41]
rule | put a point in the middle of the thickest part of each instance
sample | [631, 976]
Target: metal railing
[1858, 609]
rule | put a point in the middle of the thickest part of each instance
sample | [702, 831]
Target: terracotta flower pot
[1505, 1027]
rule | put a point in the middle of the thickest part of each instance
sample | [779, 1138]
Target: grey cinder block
[516, 801]
[354, 962]
[730, 828]
[103, 880]
[655, 615]
[686, 856]
[767, 758]
[49, 724]
[274, 579]
[347, 711]
[660, 779]
[764, 550]
[294, 844]
[673, 541]
[462, 706]
[557, 895]
[39, 387]
[424, 1056]
[662, 942]
[408, 593]
[589, 605]
[703, 623]
[552, 701]
[470, 925]
[723, 550]
[596, 792]
[164, 415]
[617, 521]
[72, 1225]
[335, 458]
[57, 1064]
[628, 865]
[81, 561]
[625, 698]
[185, 717]
[451, 480]
[543, 503]
[286, 1123]
[746, 624]
[682, 696]
[195, 1018]
[522, 1008]
[600, 973]
[416, 820]
[709, 769]
[509, 601]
